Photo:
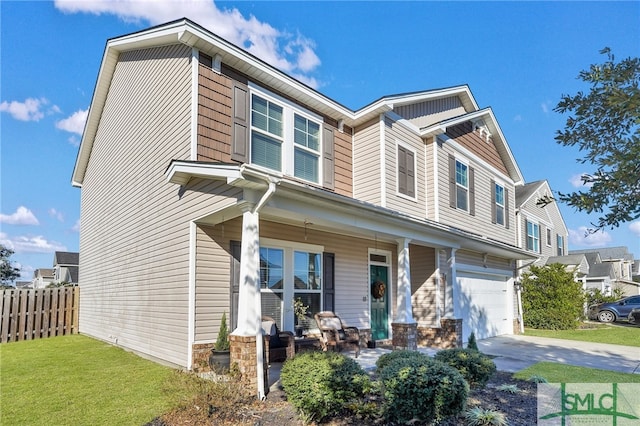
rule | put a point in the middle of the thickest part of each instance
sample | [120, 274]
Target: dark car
[634, 316]
[613, 311]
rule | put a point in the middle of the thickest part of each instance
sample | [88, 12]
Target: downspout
[272, 182]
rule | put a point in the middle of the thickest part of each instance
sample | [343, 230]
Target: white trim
[383, 174]
[390, 290]
[195, 62]
[191, 333]
[464, 151]
[480, 270]
[436, 183]
[465, 162]
[415, 170]
[295, 245]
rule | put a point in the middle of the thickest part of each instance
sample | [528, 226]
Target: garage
[485, 304]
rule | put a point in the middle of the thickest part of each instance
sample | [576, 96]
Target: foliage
[471, 344]
[300, 310]
[389, 357]
[594, 296]
[8, 272]
[222, 341]
[605, 124]
[536, 378]
[476, 367]
[321, 384]
[508, 388]
[421, 389]
[612, 335]
[61, 284]
[564, 373]
[551, 298]
[478, 416]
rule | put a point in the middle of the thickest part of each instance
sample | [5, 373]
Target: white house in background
[610, 268]
[65, 267]
[42, 277]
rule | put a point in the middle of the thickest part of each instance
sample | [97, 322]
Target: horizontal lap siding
[134, 241]
[430, 181]
[366, 163]
[423, 284]
[546, 217]
[424, 114]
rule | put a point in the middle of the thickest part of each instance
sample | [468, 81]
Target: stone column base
[404, 336]
[244, 362]
[448, 335]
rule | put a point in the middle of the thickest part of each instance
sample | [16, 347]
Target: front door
[379, 301]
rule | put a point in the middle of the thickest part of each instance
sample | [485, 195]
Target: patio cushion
[332, 323]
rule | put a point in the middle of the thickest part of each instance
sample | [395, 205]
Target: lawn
[600, 333]
[73, 380]
[563, 373]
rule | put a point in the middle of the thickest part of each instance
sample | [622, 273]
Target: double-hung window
[533, 237]
[284, 137]
[560, 243]
[462, 186]
[499, 204]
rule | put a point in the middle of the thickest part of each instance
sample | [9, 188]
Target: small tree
[471, 344]
[551, 298]
[8, 272]
[222, 342]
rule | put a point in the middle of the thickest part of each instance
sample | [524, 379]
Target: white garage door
[485, 305]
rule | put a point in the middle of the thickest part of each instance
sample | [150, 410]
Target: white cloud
[56, 214]
[76, 226]
[31, 244]
[289, 53]
[22, 216]
[74, 123]
[517, 118]
[74, 140]
[26, 271]
[576, 181]
[546, 106]
[635, 228]
[581, 237]
[29, 110]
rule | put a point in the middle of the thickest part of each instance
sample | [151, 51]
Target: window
[499, 204]
[560, 242]
[548, 237]
[533, 236]
[272, 282]
[284, 138]
[406, 171]
[307, 283]
[462, 186]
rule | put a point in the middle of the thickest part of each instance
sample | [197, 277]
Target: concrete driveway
[514, 353]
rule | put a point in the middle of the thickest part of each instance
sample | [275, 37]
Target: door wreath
[377, 290]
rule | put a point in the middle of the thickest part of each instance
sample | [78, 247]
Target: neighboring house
[65, 267]
[24, 284]
[212, 183]
[42, 277]
[610, 268]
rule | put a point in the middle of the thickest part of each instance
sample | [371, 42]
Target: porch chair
[280, 345]
[334, 334]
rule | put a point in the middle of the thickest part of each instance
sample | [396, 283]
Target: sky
[518, 58]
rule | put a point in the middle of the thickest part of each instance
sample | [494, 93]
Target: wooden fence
[35, 314]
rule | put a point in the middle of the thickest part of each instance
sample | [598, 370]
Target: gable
[426, 113]
[478, 143]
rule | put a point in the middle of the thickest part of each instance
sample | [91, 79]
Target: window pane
[312, 300]
[314, 136]
[499, 195]
[500, 215]
[272, 306]
[305, 165]
[266, 151]
[266, 115]
[271, 268]
[461, 174]
[307, 272]
[258, 104]
[306, 132]
[461, 198]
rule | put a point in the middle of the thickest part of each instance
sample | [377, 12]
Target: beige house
[212, 182]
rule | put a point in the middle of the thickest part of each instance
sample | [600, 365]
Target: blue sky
[517, 57]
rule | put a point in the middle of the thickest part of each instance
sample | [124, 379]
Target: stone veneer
[200, 357]
[404, 336]
[243, 360]
[449, 335]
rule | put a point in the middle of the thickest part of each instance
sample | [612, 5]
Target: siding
[214, 115]
[366, 163]
[481, 222]
[423, 284]
[471, 258]
[343, 162]
[465, 136]
[427, 113]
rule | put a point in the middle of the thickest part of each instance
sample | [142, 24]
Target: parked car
[634, 316]
[613, 311]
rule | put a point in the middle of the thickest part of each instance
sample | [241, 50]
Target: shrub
[422, 389]
[321, 384]
[471, 344]
[388, 358]
[481, 417]
[476, 367]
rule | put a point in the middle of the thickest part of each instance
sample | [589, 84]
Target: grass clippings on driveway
[599, 333]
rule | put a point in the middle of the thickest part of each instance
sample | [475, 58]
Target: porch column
[404, 327]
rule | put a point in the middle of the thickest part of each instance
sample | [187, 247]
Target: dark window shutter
[328, 276]
[205, 60]
[542, 238]
[452, 182]
[328, 158]
[506, 208]
[241, 125]
[472, 191]
[493, 201]
[402, 170]
[411, 174]
[236, 250]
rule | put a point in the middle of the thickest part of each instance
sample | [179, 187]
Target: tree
[605, 124]
[551, 298]
[8, 272]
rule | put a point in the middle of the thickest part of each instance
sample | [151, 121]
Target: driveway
[514, 353]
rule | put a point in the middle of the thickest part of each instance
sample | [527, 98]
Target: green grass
[563, 373]
[76, 380]
[615, 335]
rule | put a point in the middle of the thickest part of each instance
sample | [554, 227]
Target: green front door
[379, 291]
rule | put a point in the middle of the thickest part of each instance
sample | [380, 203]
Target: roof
[572, 259]
[608, 253]
[66, 258]
[43, 272]
[524, 192]
[601, 270]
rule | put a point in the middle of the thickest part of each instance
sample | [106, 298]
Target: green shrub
[480, 417]
[422, 389]
[471, 344]
[321, 384]
[476, 367]
[387, 358]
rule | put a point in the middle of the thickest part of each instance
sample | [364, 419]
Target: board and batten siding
[423, 285]
[480, 223]
[135, 226]
[366, 163]
[426, 113]
[397, 133]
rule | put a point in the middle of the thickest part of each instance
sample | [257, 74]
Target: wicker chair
[278, 344]
[335, 335]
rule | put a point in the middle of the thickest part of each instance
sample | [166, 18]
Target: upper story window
[560, 242]
[406, 171]
[533, 237]
[499, 204]
[285, 138]
[548, 237]
[462, 186]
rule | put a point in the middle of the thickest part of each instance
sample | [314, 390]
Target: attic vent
[481, 127]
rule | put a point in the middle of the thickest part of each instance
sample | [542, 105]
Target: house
[65, 267]
[212, 182]
[42, 277]
[610, 268]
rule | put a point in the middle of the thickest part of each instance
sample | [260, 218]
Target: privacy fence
[35, 314]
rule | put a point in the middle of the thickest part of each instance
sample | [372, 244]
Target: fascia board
[180, 172]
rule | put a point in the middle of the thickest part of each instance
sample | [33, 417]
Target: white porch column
[451, 308]
[249, 308]
[404, 312]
